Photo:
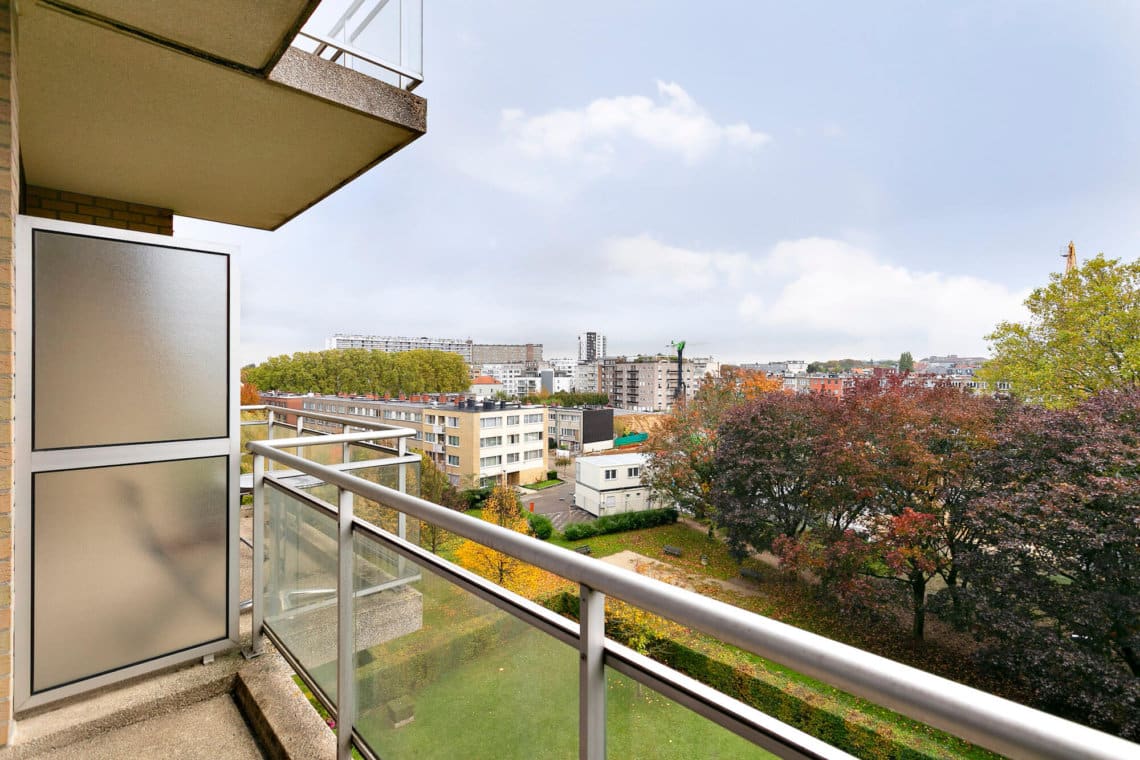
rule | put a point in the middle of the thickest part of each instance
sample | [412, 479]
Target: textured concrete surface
[208, 730]
[285, 724]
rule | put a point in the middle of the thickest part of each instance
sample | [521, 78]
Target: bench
[748, 572]
[584, 549]
[674, 551]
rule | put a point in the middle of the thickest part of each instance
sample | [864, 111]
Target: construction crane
[1070, 258]
[679, 392]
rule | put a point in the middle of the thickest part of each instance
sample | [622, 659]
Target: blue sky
[765, 180]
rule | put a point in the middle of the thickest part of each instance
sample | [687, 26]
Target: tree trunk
[918, 598]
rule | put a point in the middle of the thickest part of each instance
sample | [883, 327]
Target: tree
[360, 371]
[906, 362]
[250, 395]
[892, 475]
[436, 488]
[683, 448]
[502, 507]
[1054, 591]
[1083, 335]
[765, 467]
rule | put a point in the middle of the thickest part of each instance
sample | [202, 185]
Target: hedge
[541, 525]
[649, 518]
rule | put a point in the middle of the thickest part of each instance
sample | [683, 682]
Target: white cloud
[814, 296]
[650, 260]
[674, 123]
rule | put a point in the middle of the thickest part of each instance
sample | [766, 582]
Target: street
[556, 502]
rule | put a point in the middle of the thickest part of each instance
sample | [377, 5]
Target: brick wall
[90, 209]
[9, 205]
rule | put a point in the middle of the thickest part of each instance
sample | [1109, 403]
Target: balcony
[385, 633]
[246, 113]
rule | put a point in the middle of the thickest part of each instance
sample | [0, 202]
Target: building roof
[485, 380]
[616, 460]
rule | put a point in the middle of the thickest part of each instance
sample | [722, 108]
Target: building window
[512, 458]
[536, 436]
[490, 422]
[491, 440]
[429, 437]
[430, 419]
[533, 419]
[452, 460]
[611, 474]
[634, 472]
[553, 430]
[452, 440]
[453, 422]
[490, 461]
[512, 419]
[568, 432]
[532, 455]
[513, 438]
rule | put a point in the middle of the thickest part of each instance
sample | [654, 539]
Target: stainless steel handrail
[990, 721]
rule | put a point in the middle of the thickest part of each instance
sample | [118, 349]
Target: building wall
[601, 497]
[89, 209]
[9, 207]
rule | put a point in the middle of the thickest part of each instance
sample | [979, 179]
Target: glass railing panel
[300, 584]
[400, 477]
[389, 31]
[442, 673]
[642, 724]
[327, 454]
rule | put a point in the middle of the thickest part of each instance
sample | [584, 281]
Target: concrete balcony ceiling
[201, 108]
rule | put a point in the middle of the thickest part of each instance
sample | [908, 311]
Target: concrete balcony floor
[228, 708]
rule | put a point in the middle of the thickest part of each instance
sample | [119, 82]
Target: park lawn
[652, 541]
[521, 701]
[544, 484]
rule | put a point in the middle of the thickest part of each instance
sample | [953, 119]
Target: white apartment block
[611, 484]
[588, 377]
[395, 344]
[591, 347]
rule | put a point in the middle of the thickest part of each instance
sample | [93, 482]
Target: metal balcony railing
[366, 617]
[381, 38]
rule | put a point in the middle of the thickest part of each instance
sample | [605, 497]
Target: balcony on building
[244, 112]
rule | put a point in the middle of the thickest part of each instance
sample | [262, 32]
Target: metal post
[300, 424]
[591, 675]
[345, 644]
[258, 551]
[269, 427]
[401, 517]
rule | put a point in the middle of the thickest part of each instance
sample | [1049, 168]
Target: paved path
[557, 503]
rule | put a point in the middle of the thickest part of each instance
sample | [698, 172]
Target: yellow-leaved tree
[502, 507]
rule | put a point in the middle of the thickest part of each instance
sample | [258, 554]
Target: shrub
[541, 525]
[552, 474]
[475, 497]
[650, 518]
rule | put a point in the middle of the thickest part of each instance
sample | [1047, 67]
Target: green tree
[1082, 336]
[906, 362]
[435, 487]
[358, 370]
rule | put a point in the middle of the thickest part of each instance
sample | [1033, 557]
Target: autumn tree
[502, 508]
[682, 449]
[1082, 336]
[894, 473]
[436, 488]
[1054, 580]
[765, 467]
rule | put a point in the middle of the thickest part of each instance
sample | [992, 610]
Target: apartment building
[591, 347]
[649, 383]
[501, 353]
[588, 377]
[611, 484]
[581, 430]
[396, 344]
[475, 442]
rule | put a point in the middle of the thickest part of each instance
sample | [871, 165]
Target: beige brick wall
[9, 205]
[89, 209]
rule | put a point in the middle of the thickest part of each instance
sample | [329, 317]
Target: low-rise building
[581, 430]
[611, 484]
[485, 387]
[475, 443]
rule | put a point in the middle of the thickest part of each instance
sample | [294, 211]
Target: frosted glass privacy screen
[129, 563]
[131, 342]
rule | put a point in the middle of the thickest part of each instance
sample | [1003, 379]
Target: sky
[765, 180]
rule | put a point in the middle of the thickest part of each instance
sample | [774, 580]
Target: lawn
[652, 541]
[521, 701]
[542, 484]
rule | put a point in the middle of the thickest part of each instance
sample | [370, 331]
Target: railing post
[269, 426]
[300, 424]
[591, 675]
[345, 643]
[258, 564]
[401, 517]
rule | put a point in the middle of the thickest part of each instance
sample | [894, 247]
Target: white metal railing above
[381, 38]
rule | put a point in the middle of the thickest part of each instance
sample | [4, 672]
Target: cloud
[674, 123]
[813, 296]
[652, 261]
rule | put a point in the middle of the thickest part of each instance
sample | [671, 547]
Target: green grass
[520, 700]
[544, 484]
[652, 541]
